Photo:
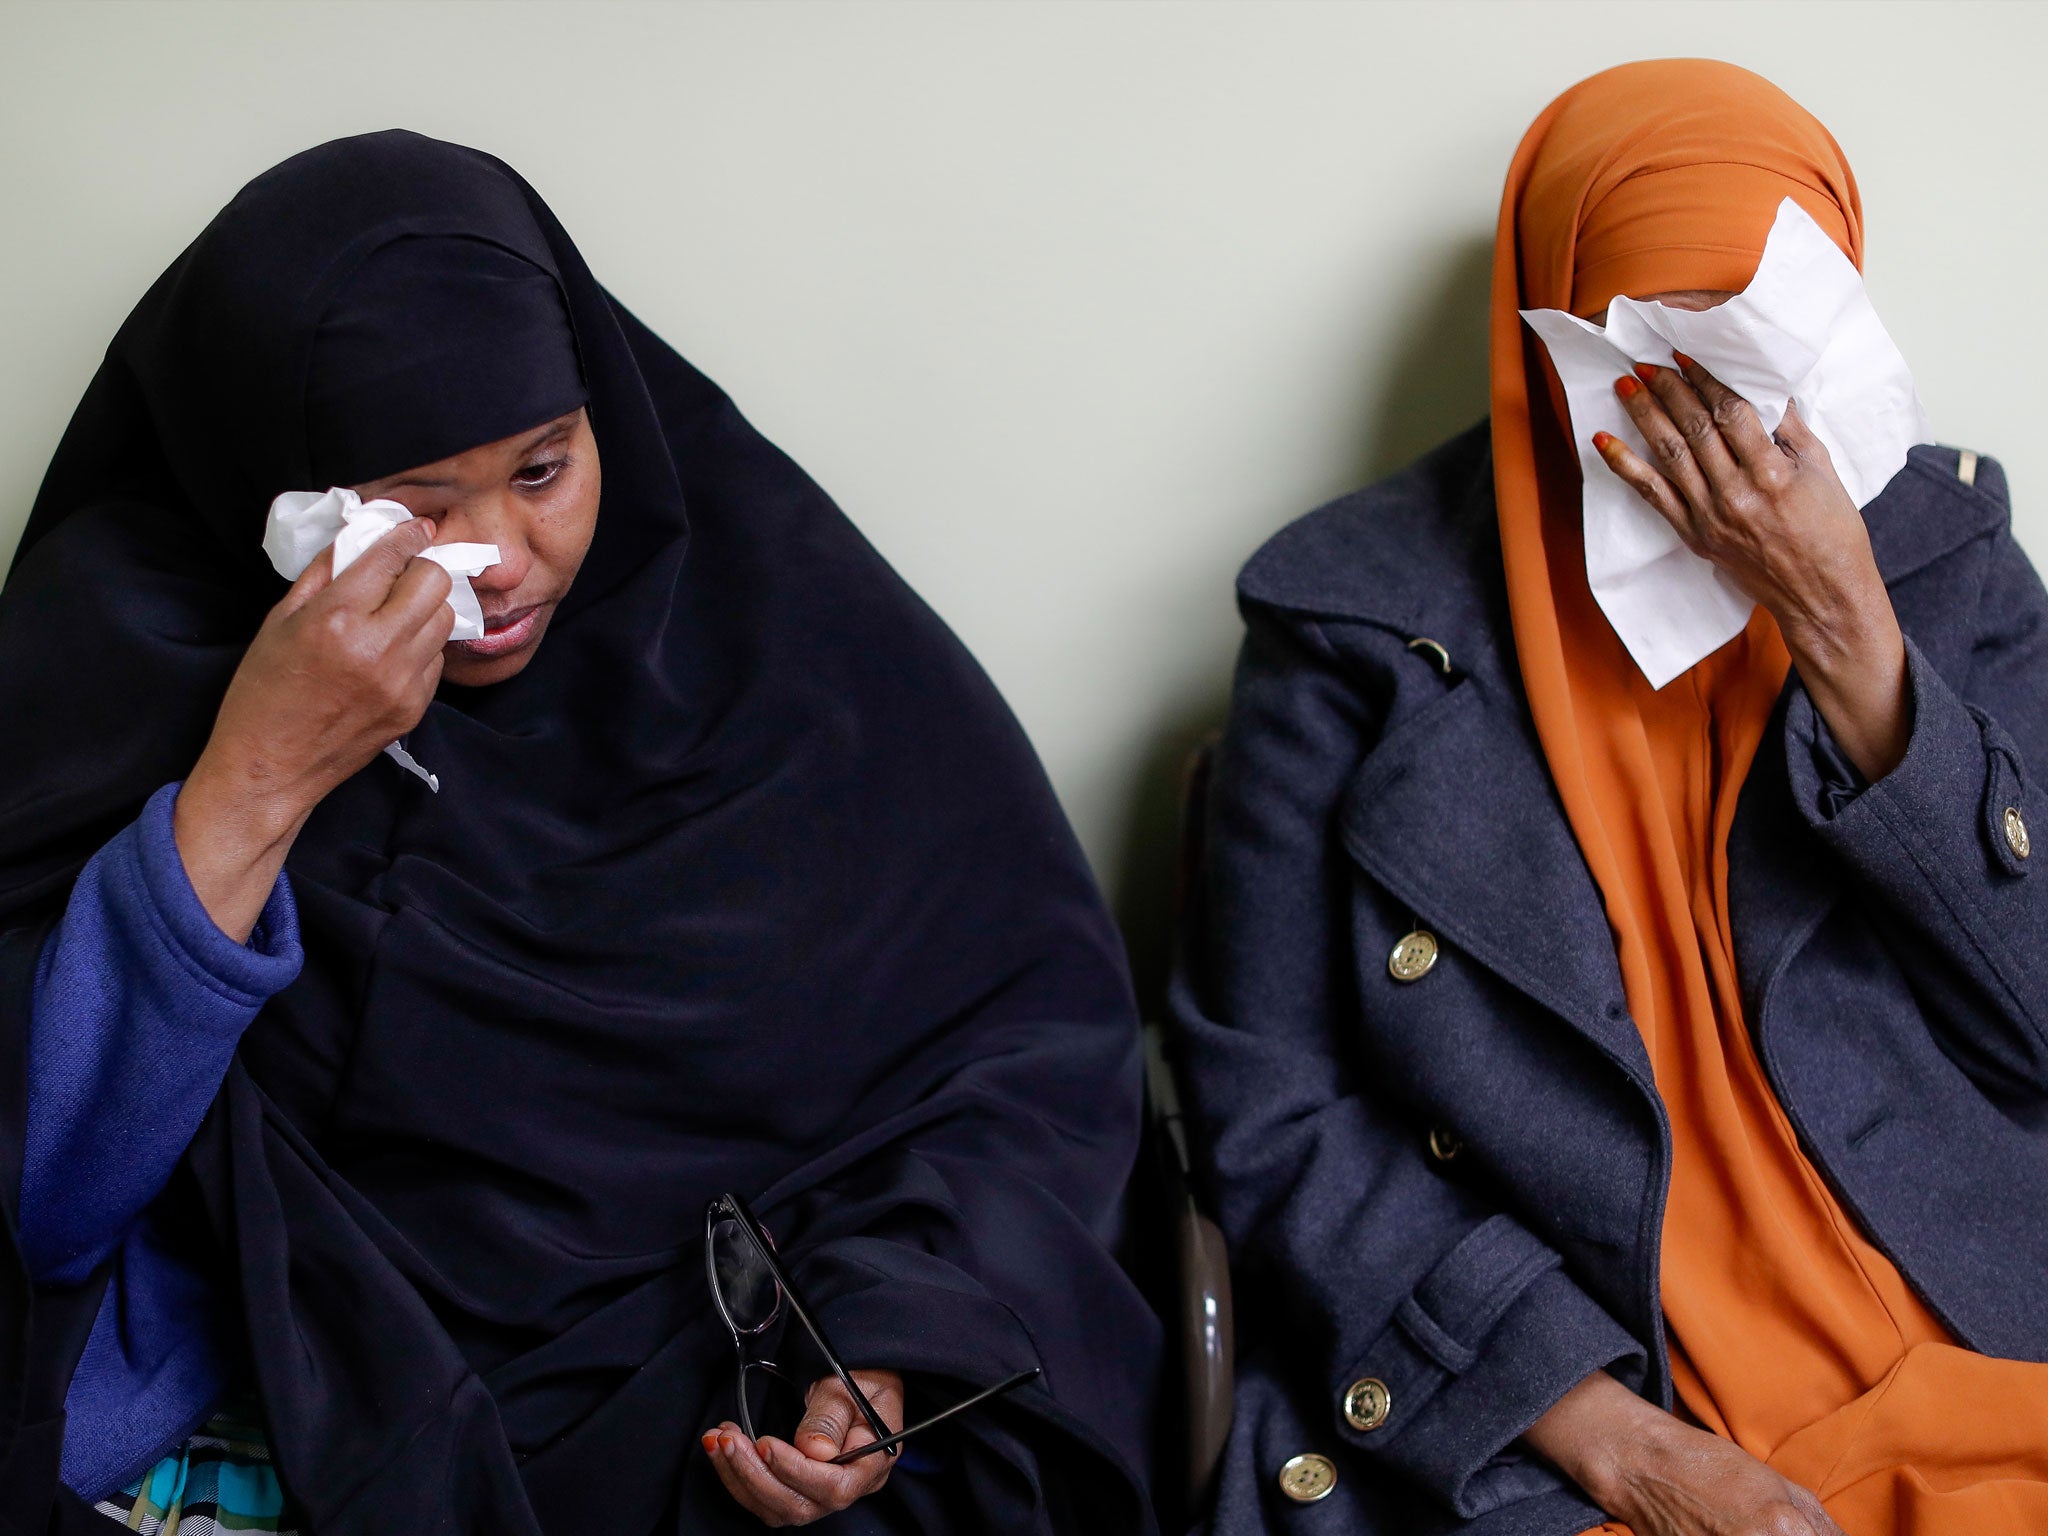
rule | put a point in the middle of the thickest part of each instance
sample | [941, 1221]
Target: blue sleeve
[139, 1003]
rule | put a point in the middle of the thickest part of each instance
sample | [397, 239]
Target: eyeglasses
[749, 1285]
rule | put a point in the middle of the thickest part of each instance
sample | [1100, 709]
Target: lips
[505, 632]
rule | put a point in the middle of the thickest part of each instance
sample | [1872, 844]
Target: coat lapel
[1454, 813]
[1455, 816]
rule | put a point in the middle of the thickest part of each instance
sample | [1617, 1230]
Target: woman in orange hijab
[1681, 1158]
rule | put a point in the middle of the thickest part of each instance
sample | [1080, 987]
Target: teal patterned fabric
[219, 1480]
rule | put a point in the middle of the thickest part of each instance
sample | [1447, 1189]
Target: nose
[491, 520]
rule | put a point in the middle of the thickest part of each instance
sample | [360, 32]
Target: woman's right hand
[1662, 1477]
[341, 668]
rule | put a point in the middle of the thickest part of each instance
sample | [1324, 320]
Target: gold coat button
[1307, 1478]
[1413, 956]
[1443, 1145]
[1367, 1403]
[2016, 833]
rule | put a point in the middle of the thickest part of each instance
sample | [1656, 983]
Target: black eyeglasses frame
[730, 1205]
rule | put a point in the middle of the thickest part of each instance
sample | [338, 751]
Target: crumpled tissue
[1803, 330]
[302, 523]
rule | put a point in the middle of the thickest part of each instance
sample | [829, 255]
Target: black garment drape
[749, 881]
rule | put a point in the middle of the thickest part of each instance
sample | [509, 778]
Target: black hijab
[748, 881]
[433, 345]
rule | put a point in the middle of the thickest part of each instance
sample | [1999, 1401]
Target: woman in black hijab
[739, 877]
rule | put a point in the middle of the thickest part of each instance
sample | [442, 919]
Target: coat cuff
[1958, 805]
[1492, 1337]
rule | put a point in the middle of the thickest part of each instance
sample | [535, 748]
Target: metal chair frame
[1198, 1299]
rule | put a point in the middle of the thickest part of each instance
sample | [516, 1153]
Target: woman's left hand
[1771, 512]
[787, 1484]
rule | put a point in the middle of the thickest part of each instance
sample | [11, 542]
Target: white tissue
[1802, 330]
[397, 753]
[302, 523]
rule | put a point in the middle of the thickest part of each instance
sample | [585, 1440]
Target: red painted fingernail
[1602, 441]
[1646, 372]
[1626, 387]
[710, 1440]
[1684, 361]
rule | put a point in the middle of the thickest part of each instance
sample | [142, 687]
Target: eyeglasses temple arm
[890, 1442]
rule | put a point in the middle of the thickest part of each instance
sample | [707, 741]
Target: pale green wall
[1070, 304]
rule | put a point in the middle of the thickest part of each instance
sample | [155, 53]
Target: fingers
[425, 648]
[1684, 444]
[371, 578]
[794, 1483]
[819, 1482]
[312, 581]
[405, 597]
[828, 1415]
[753, 1487]
[1740, 427]
[832, 1424]
[780, 1484]
[418, 655]
[1798, 438]
[420, 588]
[430, 667]
[391, 652]
[1816, 1513]
[1662, 496]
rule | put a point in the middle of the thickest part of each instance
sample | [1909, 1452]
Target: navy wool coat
[1454, 1186]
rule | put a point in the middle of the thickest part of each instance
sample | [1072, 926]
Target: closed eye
[542, 472]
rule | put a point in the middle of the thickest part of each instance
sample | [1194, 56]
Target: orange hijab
[1789, 1333]
[1647, 179]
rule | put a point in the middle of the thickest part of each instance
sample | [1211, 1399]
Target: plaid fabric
[219, 1480]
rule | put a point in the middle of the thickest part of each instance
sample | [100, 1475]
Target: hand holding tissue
[302, 523]
[1803, 330]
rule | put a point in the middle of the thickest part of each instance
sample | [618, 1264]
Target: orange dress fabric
[1790, 1333]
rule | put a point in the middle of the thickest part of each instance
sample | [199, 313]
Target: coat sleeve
[1336, 1220]
[1943, 844]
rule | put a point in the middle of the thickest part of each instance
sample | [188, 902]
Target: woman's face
[535, 497]
[1684, 298]
[1692, 298]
